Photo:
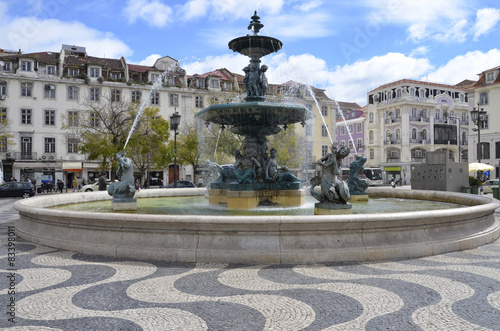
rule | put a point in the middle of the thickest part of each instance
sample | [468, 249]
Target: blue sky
[346, 47]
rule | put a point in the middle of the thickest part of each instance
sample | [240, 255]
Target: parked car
[489, 184]
[182, 184]
[17, 189]
[93, 187]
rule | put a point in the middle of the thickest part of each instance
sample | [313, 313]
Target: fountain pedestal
[359, 197]
[125, 204]
[328, 208]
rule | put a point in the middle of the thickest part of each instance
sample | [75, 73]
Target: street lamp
[175, 120]
[478, 116]
[458, 132]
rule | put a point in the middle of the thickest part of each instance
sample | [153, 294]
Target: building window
[170, 80]
[201, 83]
[94, 72]
[136, 96]
[3, 88]
[309, 106]
[94, 120]
[26, 65]
[26, 148]
[342, 130]
[370, 136]
[72, 145]
[51, 70]
[155, 98]
[485, 151]
[73, 118]
[414, 134]
[50, 117]
[116, 95]
[424, 134]
[116, 75]
[95, 94]
[3, 115]
[174, 100]
[228, 86]
[324, 110]
[360, 127]
[7, 66]
[324, 130]
[350, 144]
[398, 136]
[214, 83]
[26, 116]
[483, 98]
[26, 89]
[342, 143]
[350, 128]
[50, 91]
[324, 150]
[490, 77]
[359, 143]
[154, 77]
[73, 72]
[412, 92]
[370, 117]
[198, 100]
[3, 144]
[72, 92]
[372, 153]
[50, 145]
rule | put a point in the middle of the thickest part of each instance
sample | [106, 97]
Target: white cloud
[148, 61]
[32, 34]
[153, 12]
[305, 7]
[466, 66]
[194, 9]
[233, 62]
[419, 51]
[425, 18]
[486, 19]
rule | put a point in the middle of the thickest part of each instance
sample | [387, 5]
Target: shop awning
[72, 166]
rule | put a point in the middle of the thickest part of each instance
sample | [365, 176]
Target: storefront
[72, 170]
[393, 172]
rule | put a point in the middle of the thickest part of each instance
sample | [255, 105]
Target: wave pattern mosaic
[62, 290]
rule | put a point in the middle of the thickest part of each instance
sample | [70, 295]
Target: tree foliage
[6, 137]
[187, 146]
[288, 144]
[219, 144]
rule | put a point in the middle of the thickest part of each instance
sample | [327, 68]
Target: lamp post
[458, 132]
[478, 116]
[175, 120]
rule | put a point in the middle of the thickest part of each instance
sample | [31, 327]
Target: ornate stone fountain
[249, 183]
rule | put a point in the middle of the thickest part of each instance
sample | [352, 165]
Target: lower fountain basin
[261, 239]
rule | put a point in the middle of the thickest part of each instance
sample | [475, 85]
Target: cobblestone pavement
[62, 290]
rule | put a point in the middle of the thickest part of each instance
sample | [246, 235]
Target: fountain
[251, 183]
[270, 238]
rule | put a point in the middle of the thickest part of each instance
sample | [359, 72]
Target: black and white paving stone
[62, 290]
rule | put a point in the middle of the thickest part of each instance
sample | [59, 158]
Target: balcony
[419, 119]
[394, 160]
[24, 156]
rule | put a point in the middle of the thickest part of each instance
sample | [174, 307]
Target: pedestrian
[60, 185]
[102, 182]
[75, 184]
[200, 182]
[137, 185]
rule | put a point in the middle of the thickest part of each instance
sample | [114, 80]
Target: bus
[375, 175]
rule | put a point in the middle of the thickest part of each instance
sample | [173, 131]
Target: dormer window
[154, 77]
[94, 72]
[73, 72]
[490, 77]
[7, 66]
[201, 83]
[116, 75]
[214, 83]
[26, 66]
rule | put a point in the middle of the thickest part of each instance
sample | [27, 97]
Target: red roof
[139, 68]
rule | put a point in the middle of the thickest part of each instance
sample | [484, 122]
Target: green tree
[188, 148]
[288, 143]
[148, 143]
[6, 137]
[219, 144]
[102, 127]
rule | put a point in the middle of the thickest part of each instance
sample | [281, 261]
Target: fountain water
[260, 239]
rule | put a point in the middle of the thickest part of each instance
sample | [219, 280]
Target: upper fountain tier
[255, 45]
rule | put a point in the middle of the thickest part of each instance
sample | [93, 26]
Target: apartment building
[485, 95]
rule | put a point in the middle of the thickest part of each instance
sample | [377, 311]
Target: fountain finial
[255, 24]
